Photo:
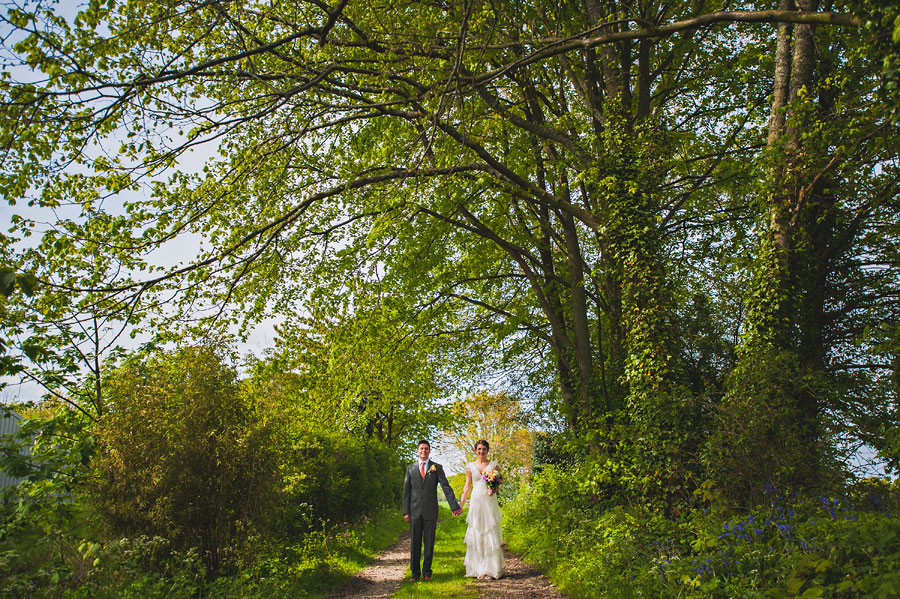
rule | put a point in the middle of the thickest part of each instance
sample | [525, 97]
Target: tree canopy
[668, 215]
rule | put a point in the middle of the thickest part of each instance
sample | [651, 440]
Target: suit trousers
[421, 530]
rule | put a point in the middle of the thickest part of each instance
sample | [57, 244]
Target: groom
[420, 507]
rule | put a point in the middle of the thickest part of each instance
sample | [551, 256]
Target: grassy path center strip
[448, 578]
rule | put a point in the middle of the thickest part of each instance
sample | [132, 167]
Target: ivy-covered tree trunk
[636, 379]
[659, 419]
[771, 429]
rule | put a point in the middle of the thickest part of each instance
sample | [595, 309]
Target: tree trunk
[771, 410]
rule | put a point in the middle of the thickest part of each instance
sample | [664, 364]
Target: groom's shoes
[427, 579]
[413, 579]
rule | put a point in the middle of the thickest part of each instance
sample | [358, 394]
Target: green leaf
[27, 283]
[7, 281]
[795, 584]
[33, 351]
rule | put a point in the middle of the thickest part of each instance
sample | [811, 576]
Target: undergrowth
[147, 567]
[788, 546]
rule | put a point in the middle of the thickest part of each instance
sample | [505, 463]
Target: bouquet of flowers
[492, 479]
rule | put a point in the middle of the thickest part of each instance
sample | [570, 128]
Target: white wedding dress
[484, 554]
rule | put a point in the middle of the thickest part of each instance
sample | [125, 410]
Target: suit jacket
[420, 495]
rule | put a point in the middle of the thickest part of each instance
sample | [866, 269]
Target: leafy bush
[50, 451]
[41, 516]
[138, 568]
[146, 567]
[548, 450]
[787, 546]
[763, 435]
[330, 479]
[182, 454]
[585, 545]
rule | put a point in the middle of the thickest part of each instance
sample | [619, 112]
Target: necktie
[422, 468]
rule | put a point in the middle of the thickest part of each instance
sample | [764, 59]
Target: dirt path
[519, 581]
[383, 577]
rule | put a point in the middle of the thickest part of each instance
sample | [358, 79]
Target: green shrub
[182, 454]
[42, 516]
[138, 568]
[332, 480]
[762, 433]
[150, 568]
[548, 449]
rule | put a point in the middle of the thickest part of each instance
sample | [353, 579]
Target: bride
[484, 554]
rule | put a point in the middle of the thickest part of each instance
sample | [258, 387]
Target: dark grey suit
[421, 503]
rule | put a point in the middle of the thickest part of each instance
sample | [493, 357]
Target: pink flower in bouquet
[492, 479]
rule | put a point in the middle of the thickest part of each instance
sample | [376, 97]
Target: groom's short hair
[425, 441]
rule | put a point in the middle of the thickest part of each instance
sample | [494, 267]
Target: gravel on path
[382, 578]
[519, 581]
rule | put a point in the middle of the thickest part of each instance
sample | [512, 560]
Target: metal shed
[9, 424]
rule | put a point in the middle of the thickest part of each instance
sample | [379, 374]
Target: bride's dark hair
[482, 442]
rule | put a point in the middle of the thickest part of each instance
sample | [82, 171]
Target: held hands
[455, 512]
